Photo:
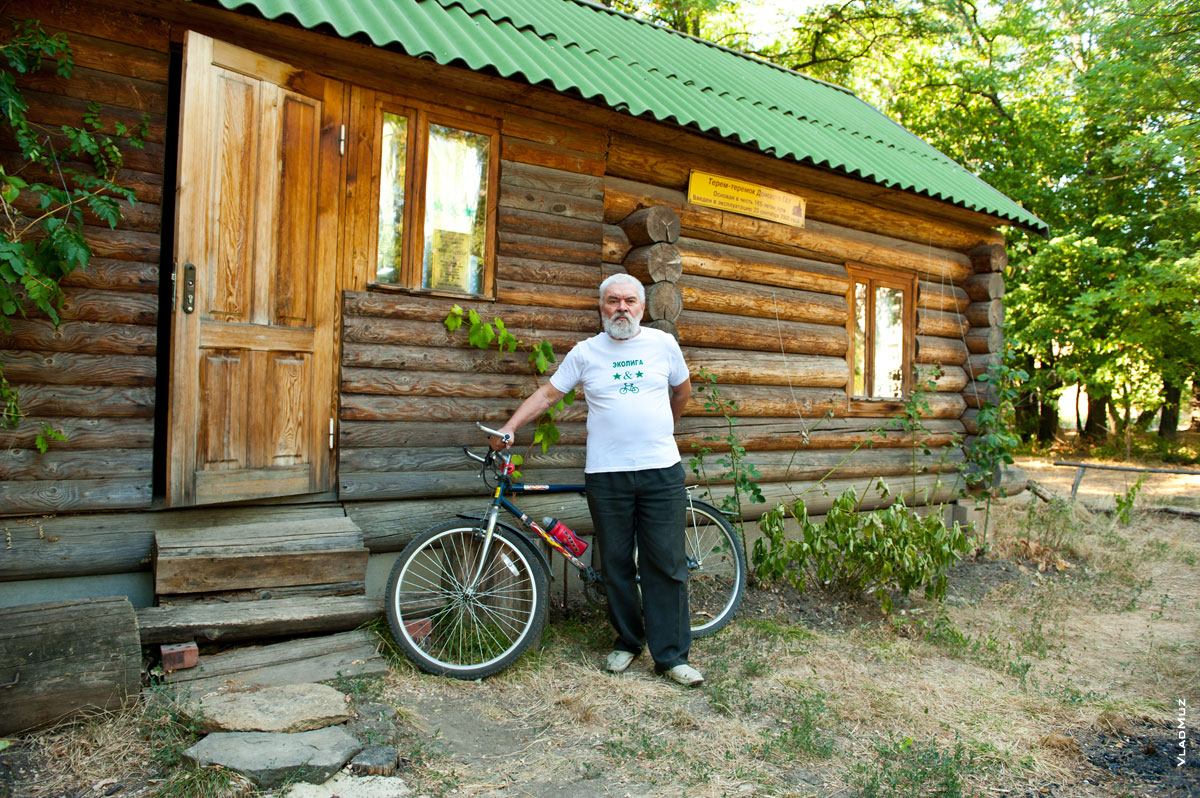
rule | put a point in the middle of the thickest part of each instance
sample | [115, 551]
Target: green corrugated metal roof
[643, 69]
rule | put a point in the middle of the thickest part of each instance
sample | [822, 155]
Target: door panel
[253, 380]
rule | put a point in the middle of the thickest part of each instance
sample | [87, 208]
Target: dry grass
[1001, 693]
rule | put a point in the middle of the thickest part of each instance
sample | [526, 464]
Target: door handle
[189, 287]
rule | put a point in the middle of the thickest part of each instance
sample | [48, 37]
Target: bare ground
[1056, 666]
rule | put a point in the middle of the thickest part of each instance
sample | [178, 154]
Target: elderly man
[636, 385]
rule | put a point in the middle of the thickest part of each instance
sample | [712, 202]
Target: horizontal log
[140, 216]
[130, 28]
[366, 330]
[16, 464]
[941, 405]
[772, 401]
[519, 245]
[731, 367]
[745, 264]
[113, 307]
[986, 314]
[979, 394]
[73, 495]
[107, 55]
[699, 328]
[390, 382]
[947, 379]
[81, 433]
[549, 225]
[524, 198]
[122, 244]
[985, 286]
[548, 272]
[357, 407]
[147, 158]
[256, 620]
[402, 459]
[378, 304]
[615, 244]
[969, 421]
[942, 324]
[652, 225]
[87, 401]
[115, 275]
[985, 340]
[668, 327]
[550, 296]
[147, 186]
[64, 658]
[94, 337]
[946, 351]
[981, 364]
[838, 464]
[555, 130]
[727, 296]
[988, 258]
[375, 485]
[551, 181]
[654, 263]
[71, 368]
[663, 301]
[642, 161]
[552, 156]
[435, 359]
[942, 296]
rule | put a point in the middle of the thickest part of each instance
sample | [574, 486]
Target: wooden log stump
[664, 302]
[665, 326]
[985, 340]
[651, 225]
[946, 351]
[65, 657]
[982, 287]
[980, 364]
[986, 314]
[988, 258]
[654, 263]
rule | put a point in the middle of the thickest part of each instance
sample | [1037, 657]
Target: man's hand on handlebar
[500, 439]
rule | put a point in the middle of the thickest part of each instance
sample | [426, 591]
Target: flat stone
[270, 759]
[344, 785]
[374, 724]
[378, 760]
[285, 708]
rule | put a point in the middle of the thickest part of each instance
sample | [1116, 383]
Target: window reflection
[390, 250]
[455, 210]
[889, 342]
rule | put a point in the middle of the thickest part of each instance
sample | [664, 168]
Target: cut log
[985, 340]
[257, 555]
[251, 620]
[549, 225]
[22, 497]
[81, 433]
[395, 382]
[654, 263]
[95, 401]
[555, 181]
[551, 156]
[941, 323]
[520, 245]
[986, 314]
[950, 379]
[526, 198]
[985, 286]
[115, 275]
[70, 368]
[663, 302]
[988, 258]
[113, 307]
[668, 327]
[548, 273]
[389, 306]
[85, 464]
[80, 336]
[767, 302]
[980, 394]
[358, 407]
[981, 364]
[942, 296]
[310, 659]
[731, 367]
[542, 295]
[946, 351]
[969, 420]
[615, 244]
[749, 265]
[699, 328]
[63, 658]
[527, 123]
[650, 226]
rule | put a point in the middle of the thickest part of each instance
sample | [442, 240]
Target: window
[881, 334]
[436, 187]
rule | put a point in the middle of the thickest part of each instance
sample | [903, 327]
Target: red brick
[178, 656]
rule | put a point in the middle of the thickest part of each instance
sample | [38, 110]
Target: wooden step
[312, 659]
[258, 555]
[248, 620]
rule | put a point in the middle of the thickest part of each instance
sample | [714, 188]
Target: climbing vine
[41, 223]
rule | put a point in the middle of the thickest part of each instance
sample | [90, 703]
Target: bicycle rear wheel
[716, 568]
[456, 613]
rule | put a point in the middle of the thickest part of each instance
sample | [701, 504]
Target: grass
[999, 693]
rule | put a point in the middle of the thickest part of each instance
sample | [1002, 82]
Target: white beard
[621, 327]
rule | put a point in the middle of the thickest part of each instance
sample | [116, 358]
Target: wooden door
[253, 371]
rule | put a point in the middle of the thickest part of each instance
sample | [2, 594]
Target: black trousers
[644, 509]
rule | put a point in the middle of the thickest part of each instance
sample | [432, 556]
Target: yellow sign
[727, 194]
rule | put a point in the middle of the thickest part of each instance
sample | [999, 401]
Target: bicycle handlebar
[494, 433]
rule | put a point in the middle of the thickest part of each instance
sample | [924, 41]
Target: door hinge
[342, 141]
[331, 433]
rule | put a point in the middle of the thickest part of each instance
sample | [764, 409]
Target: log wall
[93, 378]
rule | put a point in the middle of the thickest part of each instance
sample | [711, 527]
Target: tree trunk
[1095, 428]
[1168, 426]
[1048, 413]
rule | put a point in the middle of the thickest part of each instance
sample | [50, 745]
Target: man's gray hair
[622, 277]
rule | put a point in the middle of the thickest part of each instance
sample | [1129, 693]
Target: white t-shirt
[627, 386]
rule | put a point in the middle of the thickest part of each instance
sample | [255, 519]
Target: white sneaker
[618, 661]
[684, 674]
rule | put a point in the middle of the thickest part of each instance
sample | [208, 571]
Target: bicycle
[467, 597]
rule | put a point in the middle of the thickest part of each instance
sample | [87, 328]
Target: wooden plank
[81, 433]
[539, 154]
[212, 570]
[82, 545]
[555, 131]
[106, 88]
[87, 401]
[115, 275]
[80, 336]
[312, 659]
[140, 30]
[73, 495]
[62, 658]
[16, 464]
[256, 620]
[326, 530]
[69, 368]
[358, 588]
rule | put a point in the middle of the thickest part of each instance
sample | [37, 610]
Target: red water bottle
[564, 535]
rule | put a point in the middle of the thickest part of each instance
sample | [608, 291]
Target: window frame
[873, 278]
[420, 116]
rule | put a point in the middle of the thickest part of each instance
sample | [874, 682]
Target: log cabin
[256, 359]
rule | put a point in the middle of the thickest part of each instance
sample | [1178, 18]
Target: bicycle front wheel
[459, 611]
[716, 568]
